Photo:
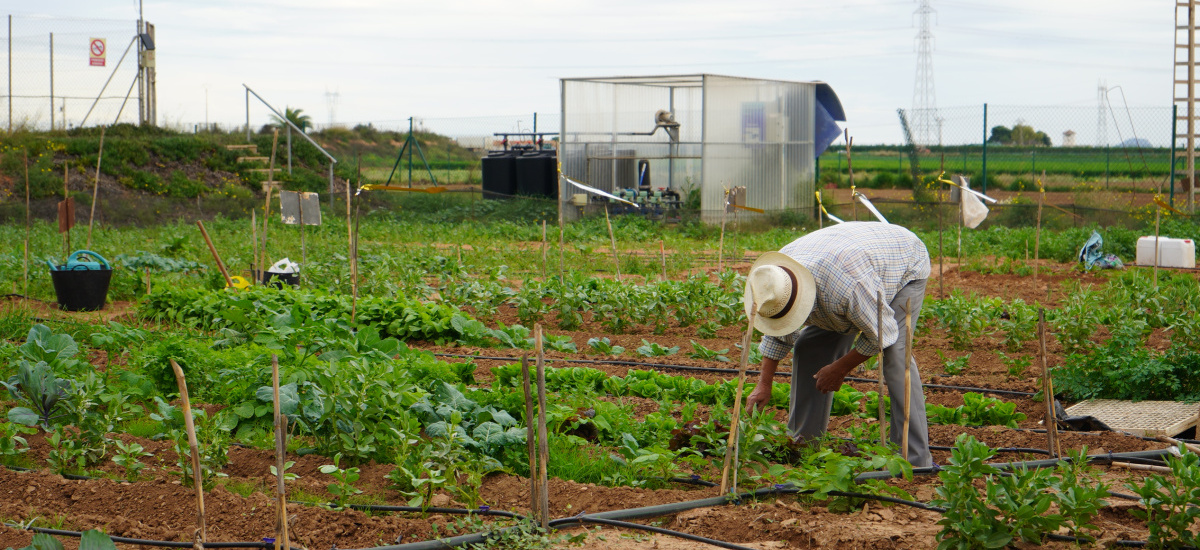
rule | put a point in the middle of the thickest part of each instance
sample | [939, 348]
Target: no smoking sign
[97, 50]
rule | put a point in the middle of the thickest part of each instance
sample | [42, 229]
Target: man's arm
[761, 395]
[831, 376]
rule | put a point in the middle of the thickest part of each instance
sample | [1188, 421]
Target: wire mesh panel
[54, 73]
[758, 134]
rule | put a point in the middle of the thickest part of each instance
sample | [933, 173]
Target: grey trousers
[809, 414]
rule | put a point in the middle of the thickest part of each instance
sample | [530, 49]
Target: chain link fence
[51, 80]
[1008, 148]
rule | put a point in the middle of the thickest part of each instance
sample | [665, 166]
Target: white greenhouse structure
[696, 133]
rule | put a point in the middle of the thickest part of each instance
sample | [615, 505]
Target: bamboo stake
[1145, 467]
[28, 220]
[147, 281]
[95, 189]
[543, 446]
[662, 249]
[735, 419]
[281, 534]
[941, 253]
[721, 241]
[70, 222]
[1047, 389]
[1189, 446]
[1037, 236]
[531, 439]
[354, 264]
[908, 330]
[882, 430]
[1157, 217]
[561, 238]
[850, 169]
[545, 247]
[255, 270]
[612, 238]
[213, 249]
[197, 476]
[962, 220]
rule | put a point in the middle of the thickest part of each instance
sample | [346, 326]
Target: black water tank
[537, 174]
[500, 173]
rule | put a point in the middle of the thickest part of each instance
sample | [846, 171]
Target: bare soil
[242, 507]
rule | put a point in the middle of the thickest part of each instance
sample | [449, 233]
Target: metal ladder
[1184, 89]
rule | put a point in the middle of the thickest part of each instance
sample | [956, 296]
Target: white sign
[97, 50]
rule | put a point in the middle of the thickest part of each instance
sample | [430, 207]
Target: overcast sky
[388, 60]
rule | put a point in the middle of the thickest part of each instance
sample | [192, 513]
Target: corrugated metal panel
[733, 131]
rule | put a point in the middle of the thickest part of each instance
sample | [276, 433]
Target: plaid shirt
[851, 262]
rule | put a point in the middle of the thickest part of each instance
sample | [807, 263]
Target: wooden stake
[255, 271]
[281, 533]
[1144, 467]
[1189, 446]
[662, 249]
[908, 340]
[95, 189]
[197, 476]
[1037, 235]
[545, 247]
[1047, 388]
[850, 169]
[721, 241]
[1157, 217]
[350, 225]
[612, 238]
[561, 238]
[354, 264]
[147, 281]
[28, 221]
[882, 430]
[71, 221]
[962, 220]
[735, 419]
[531, 445]
[941, 253]
[217, 257]
[543, 443]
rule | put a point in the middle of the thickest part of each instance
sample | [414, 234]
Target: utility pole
[1185, 58]
[924, 98]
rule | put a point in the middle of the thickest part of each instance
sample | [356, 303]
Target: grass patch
[142, 427]
[242, 488]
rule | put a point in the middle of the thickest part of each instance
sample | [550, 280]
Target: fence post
[983, 180]
[1174, 128]
[10, 74]
[248, 118]
[52, 82]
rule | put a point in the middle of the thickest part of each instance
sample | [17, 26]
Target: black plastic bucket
[81, 289]
[277, 280]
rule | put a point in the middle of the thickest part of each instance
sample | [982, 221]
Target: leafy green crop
[976, 410]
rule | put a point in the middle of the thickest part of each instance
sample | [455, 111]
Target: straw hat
[784, 291]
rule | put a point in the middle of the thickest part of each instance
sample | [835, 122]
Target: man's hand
[760, 397]
[830, 377]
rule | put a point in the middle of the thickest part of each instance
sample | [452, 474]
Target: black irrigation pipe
[1027, 450]
[1127, 434]
[721, 371]
[650, 528]
[481, 511]
[160, 543]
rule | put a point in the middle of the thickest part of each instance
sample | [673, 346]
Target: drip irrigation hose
[481, 511]
[650, 528]
[718, 370]
[161, 543]
[1026, 450]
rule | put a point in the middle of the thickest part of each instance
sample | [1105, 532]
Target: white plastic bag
[974, 211]
[284, 266]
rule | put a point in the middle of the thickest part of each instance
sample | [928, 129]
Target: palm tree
[296, 117]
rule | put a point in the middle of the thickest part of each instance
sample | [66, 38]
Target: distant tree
[1001, 135]
[296, 117]
[1021, 134]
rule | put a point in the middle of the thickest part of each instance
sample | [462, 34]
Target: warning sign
[97, 50]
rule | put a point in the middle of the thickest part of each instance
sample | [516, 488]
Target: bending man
[815, 296]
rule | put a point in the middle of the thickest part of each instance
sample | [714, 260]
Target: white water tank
[1171, 252]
